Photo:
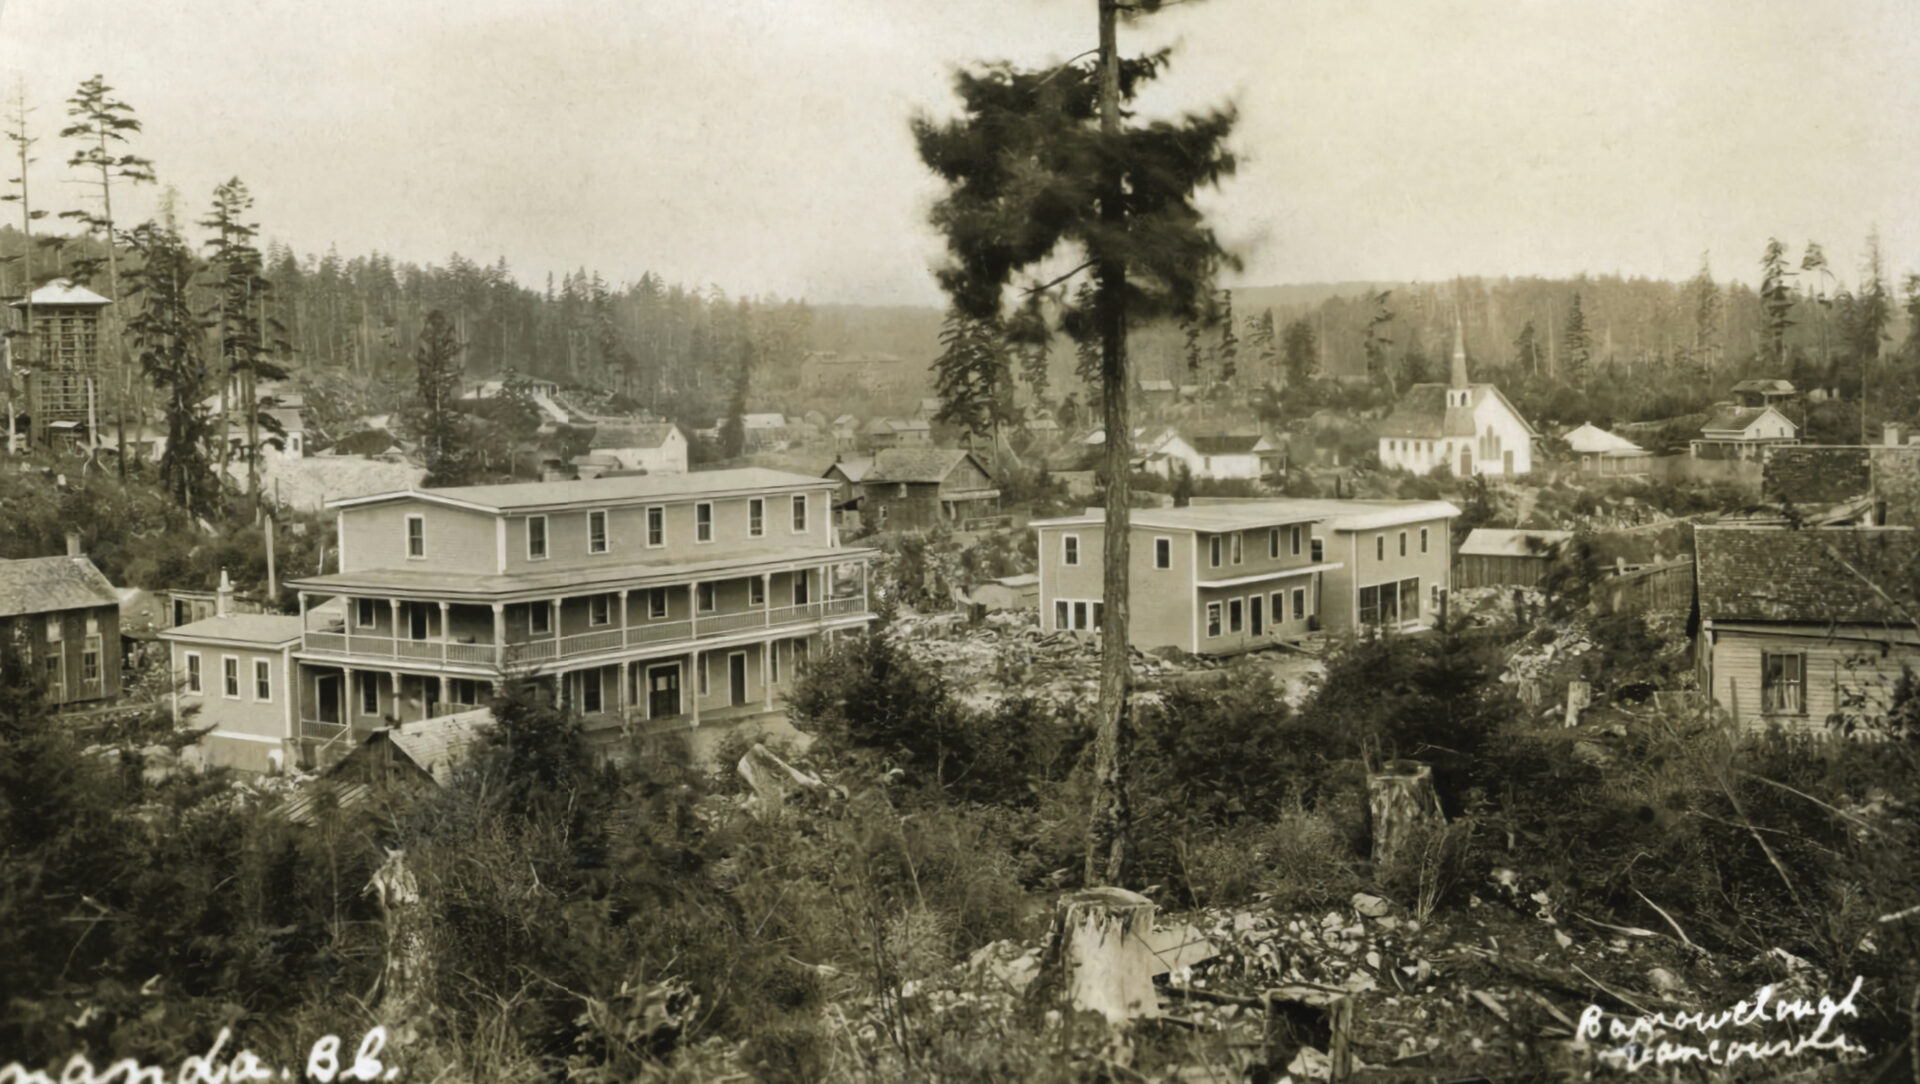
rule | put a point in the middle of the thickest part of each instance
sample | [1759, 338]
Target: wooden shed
[1491, 557]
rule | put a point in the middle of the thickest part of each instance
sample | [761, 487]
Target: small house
[917, 488]
[1740, 432]
[1602, 453]
[654, 447]
[1491, 557]
[66, 617]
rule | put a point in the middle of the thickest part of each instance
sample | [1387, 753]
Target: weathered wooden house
[1805, 628]
[917, 488]
[1491, 557]
[64, 615]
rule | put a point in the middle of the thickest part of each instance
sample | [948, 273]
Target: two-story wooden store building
[1220, 578]
[657, 599]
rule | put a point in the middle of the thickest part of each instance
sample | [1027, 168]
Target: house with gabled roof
[1759, 393]
[1469, 428]
[65, 617]
[918, 488]
[1807, 629]
[1743, 432]
[1607, 454]
[655, 447]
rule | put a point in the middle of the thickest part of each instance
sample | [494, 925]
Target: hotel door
[737, 678]
[327, 692]
[663, 691]
[1259, 624]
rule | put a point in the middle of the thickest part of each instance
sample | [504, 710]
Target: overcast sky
[762, 144]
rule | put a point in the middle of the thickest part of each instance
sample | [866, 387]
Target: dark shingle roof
[1765, 387]
[914, 464]
[1805, 577]
[38, 585]
[1224, 444]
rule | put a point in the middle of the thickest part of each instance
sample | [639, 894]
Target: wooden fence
[1666, 588]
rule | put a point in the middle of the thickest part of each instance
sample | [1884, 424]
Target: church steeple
[1458, 390]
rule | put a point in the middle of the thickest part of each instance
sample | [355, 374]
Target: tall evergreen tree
[1376, 342]
[1814, 263]
[238, 314]
[1577, 341]
[437, 418]
[1706, 315]
[168, 332]
[1526, 350]
[1776, 300]
[1301, 353]
[101, 123]
[1228, 351]
[1042, 161]
[1263, 338]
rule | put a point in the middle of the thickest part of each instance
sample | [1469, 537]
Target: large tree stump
[1099, 956]
[1403, 804]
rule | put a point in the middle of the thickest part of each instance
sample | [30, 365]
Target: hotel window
[756, 592]
[596, 531]
[1299, 603]
[799, 513]
[707, 596]
[773, 663]
[702, 667]
[1239, 538]
[1319, 550]
[1296, 541]
[1061, 616]
[800, 588]
[193, 672]
[599, 610]
[230, 677]
[1099, 615]
[1070, 549]
[1423, 540]
[464, 691]
[590, 692]
[1163, 553]
[656, 526]
[756, 517]
[539, 618]
[536, 538]
[90, 661]
[1273, 542]
[262, 680]
[369, 694]
[1782, 678]
[1079, 615]
[1235, 614]
[1213, 619]
[1380, 547]
[363, 613]
[657, 602]
[1403, 543]
[416, 538]
[416, 621]
[703, 522]
[1213, 551]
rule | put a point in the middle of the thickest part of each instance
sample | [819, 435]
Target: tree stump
[1402, 801]
[1098, 957]
[1579, 695]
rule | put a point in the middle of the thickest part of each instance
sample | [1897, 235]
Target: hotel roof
[1242, 515]
[598, 491]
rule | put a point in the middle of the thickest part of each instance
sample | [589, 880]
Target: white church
[1470, 427]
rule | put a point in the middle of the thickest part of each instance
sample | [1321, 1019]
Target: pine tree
[1526, 350]
[1263, 339]
[240, 294]
[1776, 300]
[973, 376]
[1706, 315]
[1228, 351]
[1815, 263]
[1302, 353]
[437, 418]
[1577, 342]
[1376, 342]
[167, 332]
[1042, 161]
[99, 121]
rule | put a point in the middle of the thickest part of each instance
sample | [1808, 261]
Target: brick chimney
[73, 544]
[223, 597]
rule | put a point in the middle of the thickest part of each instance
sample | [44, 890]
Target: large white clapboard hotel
[659, 599]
